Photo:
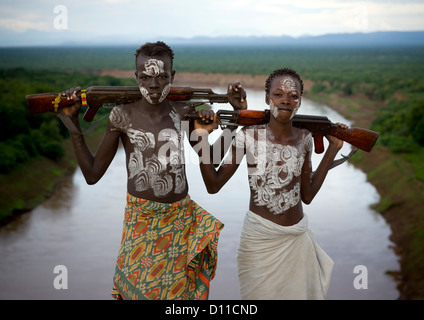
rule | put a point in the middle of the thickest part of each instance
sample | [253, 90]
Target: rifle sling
[344, 158]
[71, 126]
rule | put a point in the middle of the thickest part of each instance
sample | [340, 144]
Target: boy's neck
[280, 129]
[152, 109]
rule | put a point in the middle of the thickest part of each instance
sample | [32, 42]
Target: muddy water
[80, 228]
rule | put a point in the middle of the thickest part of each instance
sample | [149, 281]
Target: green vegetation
[33, 148]
[403, 125]
[23, 136]
[388, 75]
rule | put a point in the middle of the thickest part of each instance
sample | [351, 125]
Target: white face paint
[274, 109]
[145, 94]
[153, 68]
[288, 85]
[163, 95]
[165, 92]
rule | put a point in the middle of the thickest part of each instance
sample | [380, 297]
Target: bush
[48, 140]
[318, 87]
[415, 123]
[401, 125]
[51, 149]
[10, 156]
[399, 144]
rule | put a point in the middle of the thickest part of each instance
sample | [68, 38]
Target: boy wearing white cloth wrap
[278, 257]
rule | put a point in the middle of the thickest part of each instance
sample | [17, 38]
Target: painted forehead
[286, 83]
[153, 66]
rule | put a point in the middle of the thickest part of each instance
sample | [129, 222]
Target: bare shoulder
[247, 135]
[180, 107]
[304, 139]
[120, 117]
[303, 133]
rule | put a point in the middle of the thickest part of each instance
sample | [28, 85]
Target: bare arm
[312, 182]
[216, 179]
[93, 166]
[221, 145]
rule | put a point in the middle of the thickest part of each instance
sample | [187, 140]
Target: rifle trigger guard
[344, 158]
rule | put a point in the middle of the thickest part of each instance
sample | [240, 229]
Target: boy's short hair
[282, 72]
[158, 48]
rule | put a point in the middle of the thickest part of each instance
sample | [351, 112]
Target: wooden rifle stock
[97, 96]
[319, 126]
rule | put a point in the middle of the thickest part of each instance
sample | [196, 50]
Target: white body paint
[152, 172]
[272, 183]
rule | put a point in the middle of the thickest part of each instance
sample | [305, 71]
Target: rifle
[319, 126]
[96, 96]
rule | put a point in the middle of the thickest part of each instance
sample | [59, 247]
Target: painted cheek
[145, 94]
[295, 109]
[165, 92]
[273, 109]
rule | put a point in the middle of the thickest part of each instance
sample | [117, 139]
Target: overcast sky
[60, 21]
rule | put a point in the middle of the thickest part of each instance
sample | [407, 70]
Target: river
[79, 227]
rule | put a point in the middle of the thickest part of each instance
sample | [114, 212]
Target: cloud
[190, 18]
[17, 25]
[330, 16]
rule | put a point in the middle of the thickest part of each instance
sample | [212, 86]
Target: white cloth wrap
[281, 262]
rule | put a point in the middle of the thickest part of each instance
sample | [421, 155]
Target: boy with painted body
[169, 243]
[278, 257]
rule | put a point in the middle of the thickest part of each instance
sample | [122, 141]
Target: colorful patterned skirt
[168, 251]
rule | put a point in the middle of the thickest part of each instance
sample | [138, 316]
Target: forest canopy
[22, 135]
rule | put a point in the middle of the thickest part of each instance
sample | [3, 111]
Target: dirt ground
[199, 80]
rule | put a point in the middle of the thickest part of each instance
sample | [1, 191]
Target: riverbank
[30, 184]
[402, 195]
